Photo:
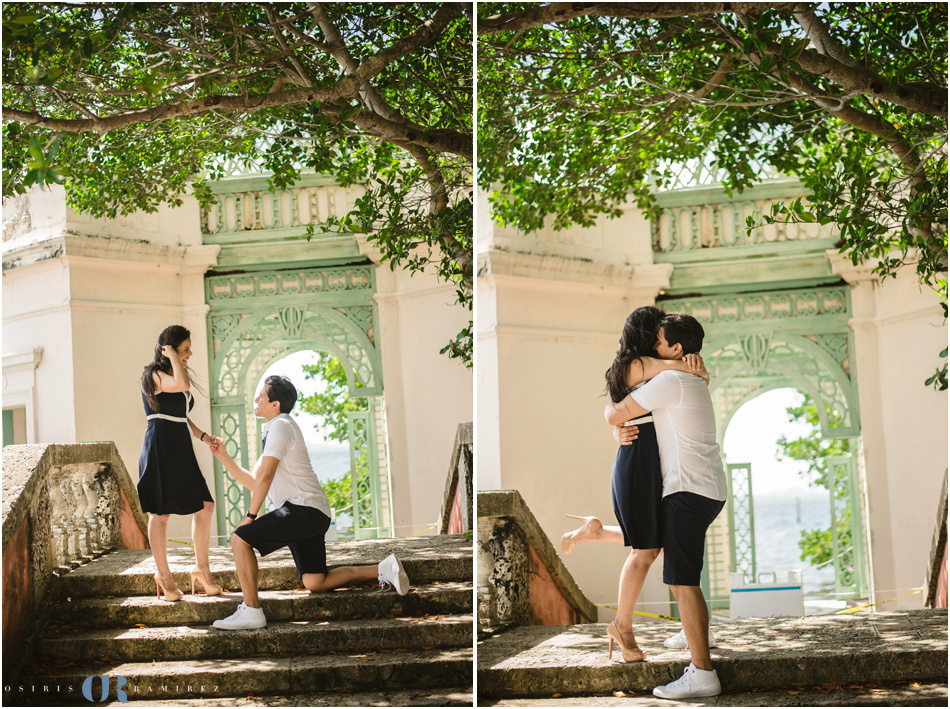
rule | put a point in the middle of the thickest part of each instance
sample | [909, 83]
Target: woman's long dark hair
[638, 339]
[172, 335]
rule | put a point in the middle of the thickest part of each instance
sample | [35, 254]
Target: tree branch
[563, 11]
[430, 29]
[338, 50]
[857, 80]
[346, 88]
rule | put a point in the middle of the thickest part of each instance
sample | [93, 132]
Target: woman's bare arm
[645, 368]
[178, 380]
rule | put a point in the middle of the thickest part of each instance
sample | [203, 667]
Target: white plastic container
[331, 532]
[775, 593]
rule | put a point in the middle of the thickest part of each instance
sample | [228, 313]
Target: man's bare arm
[263, 475]
[242, 476]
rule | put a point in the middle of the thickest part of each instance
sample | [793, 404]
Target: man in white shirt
[301, 516]
[694, 489]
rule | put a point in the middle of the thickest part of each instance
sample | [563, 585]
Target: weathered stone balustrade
[456, 516]
[521, 578]
[697, 222]
[63, 505]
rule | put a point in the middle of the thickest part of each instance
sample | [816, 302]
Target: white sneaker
[244, 618]
[392, 574]
[693, 683]
[679, 642]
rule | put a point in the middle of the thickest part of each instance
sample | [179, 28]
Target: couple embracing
[668, 483]
[170, 482]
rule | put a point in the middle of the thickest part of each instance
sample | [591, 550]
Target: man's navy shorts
[298, 527]
[685, 518]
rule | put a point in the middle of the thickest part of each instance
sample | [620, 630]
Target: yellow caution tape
[857, 608]
[423, 530]
[651, 615]
[841, 612]
[191, 544]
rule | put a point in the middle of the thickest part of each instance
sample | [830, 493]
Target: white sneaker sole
[224, 625]
[658, 692]
[402, 580]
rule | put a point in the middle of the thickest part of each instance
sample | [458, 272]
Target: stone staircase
[109, 622]
[840, 652]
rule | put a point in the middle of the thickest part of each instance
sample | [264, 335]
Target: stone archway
[257, 318]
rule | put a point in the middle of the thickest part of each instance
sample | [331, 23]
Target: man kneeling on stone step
[301, 518]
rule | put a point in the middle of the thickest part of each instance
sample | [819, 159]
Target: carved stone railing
[247, 206]
[63, 505]
[696, 223]
[521, 578]
[456, 516]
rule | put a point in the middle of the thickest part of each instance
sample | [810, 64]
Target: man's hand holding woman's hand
[217, 447]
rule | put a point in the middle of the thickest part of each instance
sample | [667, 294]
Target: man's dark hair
[683, 329]
[279, 388]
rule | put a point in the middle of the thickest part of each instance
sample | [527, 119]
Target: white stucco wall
[899, 329]
[427, 395]
[95, 297]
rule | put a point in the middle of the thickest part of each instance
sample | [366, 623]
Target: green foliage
[334, 402]
[604, 105]
[816, 544]
[147, 101]
[332, 406]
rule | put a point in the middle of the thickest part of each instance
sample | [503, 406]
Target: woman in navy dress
[170, 481]
[636, 480]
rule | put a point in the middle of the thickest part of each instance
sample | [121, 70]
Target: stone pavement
[876, 694]
[752, 653]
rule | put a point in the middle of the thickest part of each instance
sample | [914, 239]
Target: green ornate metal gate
[257, 318]
[847, 524]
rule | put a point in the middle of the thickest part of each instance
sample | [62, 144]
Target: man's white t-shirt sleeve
[664, 391]
[279, 440]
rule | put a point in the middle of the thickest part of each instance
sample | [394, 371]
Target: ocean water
[779, 519]
[332, 462]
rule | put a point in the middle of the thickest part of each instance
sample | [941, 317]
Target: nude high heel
[210, 588]
[633, 654]
[175, 595]
[569, 540]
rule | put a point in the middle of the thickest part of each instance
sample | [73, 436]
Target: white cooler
[774, 593]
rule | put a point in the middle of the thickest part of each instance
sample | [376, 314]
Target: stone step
[867, 694]
[539, 661]
[429, 697]
[239, 677]
[434, 599]
[297, 637]
[129, 572]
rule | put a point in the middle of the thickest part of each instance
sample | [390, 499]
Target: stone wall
[521, 578]
[63, 505]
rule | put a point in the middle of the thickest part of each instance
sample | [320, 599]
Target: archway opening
[790, 507]
[321, 412]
